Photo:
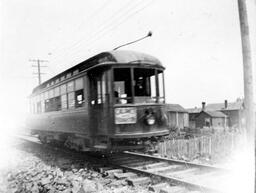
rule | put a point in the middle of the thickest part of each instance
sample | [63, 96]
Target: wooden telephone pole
[248, 80]
[248, 75]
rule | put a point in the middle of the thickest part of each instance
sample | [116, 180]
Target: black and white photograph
[142, 96]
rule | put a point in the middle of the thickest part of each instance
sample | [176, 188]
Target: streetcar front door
[98, 104]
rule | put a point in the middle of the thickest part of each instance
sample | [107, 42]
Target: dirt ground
[27, 167]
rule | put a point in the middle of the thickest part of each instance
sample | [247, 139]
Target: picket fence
[216, 145]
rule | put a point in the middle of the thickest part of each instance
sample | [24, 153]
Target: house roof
[194, 110]
[175, 108]
[216, 114]
[219, 107]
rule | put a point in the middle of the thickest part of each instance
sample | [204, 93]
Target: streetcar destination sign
[126, 115]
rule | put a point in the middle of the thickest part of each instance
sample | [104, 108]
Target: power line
[110, 28]
[38, 66]
[109, 22]
[89, 18]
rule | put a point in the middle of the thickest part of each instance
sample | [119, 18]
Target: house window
[207, 122]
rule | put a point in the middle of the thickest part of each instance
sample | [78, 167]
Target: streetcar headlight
[151, 120]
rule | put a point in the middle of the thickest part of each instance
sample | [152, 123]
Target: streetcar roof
[108, 58]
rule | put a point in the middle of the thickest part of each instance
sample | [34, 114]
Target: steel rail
[170, 179]
[202, 166]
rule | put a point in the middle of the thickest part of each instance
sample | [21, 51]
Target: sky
[197, 41]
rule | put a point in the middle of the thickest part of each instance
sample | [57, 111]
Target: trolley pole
[148, 35]
[38, 66]
[248, 75]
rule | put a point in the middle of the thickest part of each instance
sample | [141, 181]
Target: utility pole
[248, 84]
[248, 79]
[247, 68]
[38, 68]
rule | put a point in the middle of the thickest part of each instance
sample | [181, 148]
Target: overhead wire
[88, 27]
[106, 26]
[122, 21]
[96, 12]
[93, 14]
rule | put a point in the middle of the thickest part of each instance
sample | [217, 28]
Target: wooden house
[177, 116]
[211, 119]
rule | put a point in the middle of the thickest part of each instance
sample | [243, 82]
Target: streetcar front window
[122, 85]
[145, 82]
[138, 85]
[160, 75]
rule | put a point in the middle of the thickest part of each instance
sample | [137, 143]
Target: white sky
[197, 41]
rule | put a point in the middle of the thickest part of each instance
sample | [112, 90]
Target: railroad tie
[124, 175]
[173, 189]
[113, 171]
[157, 187]
[138, 181]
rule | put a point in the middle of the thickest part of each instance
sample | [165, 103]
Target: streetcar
[113, 101]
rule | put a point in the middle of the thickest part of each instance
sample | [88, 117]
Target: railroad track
[170, 175]
[159, 174]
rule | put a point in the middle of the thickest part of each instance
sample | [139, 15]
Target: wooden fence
[212, 146]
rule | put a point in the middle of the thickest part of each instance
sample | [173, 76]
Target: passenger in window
[116, 96]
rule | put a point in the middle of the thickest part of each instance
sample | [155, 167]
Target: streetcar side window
[57, 91]
[33, 105]
[42, 102]
[57, 101]
[51, 93]
[71, 94]
[79, 93]
[79, 98]
[70, 86]
[64, 99]
[51, 100]
[63, 89]
[64, 104]
[71, 100]
[38, 107]
[79, 84]
[46, 101]
[47, 105]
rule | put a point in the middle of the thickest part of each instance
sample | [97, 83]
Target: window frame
[159, 99]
